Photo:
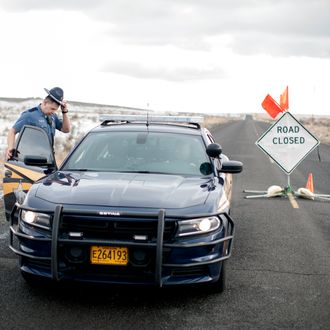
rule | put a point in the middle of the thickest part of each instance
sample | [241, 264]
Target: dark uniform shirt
[35, 117]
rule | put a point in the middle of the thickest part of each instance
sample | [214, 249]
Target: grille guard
[159, 245]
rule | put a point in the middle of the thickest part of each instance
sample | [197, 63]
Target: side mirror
[214, 150]
[231, 166]
[35, 160]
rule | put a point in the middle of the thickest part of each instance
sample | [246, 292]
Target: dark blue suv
[139, 200]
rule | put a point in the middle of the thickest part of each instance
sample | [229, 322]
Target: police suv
[140, 200]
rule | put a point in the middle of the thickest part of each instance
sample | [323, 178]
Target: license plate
[109, 255]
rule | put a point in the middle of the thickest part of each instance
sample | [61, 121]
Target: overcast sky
[214, 56]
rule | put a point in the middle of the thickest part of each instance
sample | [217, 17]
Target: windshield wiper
[131, 171]
[156, 172]
[143, 172]
[77, 169]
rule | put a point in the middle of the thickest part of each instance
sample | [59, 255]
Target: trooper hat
[56, 94]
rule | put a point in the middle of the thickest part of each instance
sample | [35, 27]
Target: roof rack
[108, 119]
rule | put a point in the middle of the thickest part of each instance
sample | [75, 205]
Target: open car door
[32, 159]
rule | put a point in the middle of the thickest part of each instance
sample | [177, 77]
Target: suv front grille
[115, 228]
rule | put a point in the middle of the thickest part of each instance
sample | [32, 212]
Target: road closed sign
[287, 142]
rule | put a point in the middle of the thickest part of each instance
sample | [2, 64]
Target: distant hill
[74, 103]
[16, 99]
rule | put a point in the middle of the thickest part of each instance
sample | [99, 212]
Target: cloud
[26, 5]
[162, 72]
[278, 28]
[281, 45]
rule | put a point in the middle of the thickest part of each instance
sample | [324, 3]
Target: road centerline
[293, 201]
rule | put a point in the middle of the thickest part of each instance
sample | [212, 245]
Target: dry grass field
[320, 130]
[1, 176]
[319, 126]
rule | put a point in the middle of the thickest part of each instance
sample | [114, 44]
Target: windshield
[142, 152]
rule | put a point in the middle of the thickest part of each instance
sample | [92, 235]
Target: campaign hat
[56, 94]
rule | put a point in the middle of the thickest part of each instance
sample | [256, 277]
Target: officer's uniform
[35, 117]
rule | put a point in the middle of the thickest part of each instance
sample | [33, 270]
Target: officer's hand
[9, 153]
[64, 107]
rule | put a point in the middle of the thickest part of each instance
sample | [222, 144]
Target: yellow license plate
[109, 255]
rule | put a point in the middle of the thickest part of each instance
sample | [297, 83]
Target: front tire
[30, 279]
[220, 285]
[35, 281]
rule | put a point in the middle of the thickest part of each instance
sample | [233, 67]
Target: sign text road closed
[287, 142]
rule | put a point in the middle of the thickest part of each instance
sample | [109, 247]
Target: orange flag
[271, 106]
[284, 99]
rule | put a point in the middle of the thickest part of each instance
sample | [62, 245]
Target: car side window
[33, 141]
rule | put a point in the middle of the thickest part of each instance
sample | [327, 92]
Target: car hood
[124, 189]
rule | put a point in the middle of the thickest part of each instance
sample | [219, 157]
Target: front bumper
[171, 260]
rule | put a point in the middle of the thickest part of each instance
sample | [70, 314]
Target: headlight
[198, 226]
[41, 220]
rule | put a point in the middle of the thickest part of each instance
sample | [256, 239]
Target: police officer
[44, 116]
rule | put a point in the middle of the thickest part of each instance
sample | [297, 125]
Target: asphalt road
[278, 276]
